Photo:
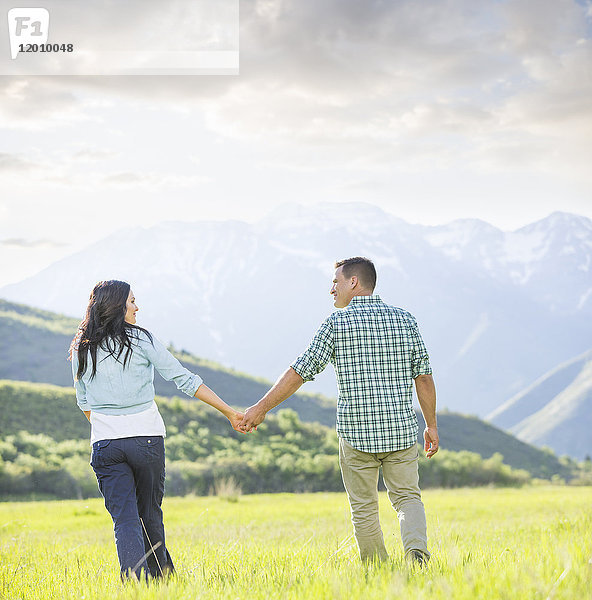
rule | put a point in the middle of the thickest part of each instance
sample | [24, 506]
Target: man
[377, 353]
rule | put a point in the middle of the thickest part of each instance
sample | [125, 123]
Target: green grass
[486, 543]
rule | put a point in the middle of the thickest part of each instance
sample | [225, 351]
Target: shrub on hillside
[468, 469]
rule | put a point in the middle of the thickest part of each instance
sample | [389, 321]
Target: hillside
[536, 396]
[48, 409]
[552, 410]
[461, 432]
[23, 328]
[34, 346]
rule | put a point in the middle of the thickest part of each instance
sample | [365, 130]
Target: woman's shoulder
[138, 333]
[140, 336]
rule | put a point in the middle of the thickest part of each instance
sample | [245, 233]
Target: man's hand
[432, 442]
[253, 416]
[426, 394]
[283, 388]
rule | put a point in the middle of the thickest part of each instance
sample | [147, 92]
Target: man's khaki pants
[360, 477]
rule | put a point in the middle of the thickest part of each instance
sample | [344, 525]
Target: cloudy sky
[432, 109]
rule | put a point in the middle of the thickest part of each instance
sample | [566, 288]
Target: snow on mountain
[464, 237]
[539, 257]
[496, 309]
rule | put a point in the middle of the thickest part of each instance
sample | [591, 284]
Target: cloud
[340, 82]
[38, 103]
[33, 244]
[125, 179]
[330, 49]
[152, 180]
[94, 155]
[420, 84]
[83, 169]
[12, 163]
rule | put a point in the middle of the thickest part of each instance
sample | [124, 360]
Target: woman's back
[117, 388]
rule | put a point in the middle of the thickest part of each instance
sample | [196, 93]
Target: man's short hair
[362, 267]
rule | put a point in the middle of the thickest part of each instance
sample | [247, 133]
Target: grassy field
[486, 543]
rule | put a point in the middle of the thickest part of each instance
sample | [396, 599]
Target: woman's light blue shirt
[115, 390]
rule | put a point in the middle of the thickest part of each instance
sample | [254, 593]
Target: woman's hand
[205, 394]
[235, 418]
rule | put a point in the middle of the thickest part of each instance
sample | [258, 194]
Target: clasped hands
[247, 421]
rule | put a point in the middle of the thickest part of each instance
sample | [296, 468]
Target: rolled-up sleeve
[79, 384]
[319, 352]
[420, 360]
[169, 367]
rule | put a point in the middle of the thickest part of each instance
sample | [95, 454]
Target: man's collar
[365, 299]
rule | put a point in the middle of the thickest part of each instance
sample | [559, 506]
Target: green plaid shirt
[377, 352]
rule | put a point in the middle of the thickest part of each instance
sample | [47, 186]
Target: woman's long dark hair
[104, 326]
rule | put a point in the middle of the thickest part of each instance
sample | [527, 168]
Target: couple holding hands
[377, 353]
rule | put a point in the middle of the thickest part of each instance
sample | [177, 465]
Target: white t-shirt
[111, 427]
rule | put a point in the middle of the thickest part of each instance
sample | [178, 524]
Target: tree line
[295, 457]
[45, 452]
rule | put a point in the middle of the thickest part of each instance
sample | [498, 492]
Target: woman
[113, 363]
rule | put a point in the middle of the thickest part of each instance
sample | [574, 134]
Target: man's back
[376, 351]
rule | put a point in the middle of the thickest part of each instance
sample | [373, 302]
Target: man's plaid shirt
[376, 351]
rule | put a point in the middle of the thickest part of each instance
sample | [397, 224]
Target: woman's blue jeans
[130, 473]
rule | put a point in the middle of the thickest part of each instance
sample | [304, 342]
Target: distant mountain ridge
[553, 252]
[497, 309]
[555, 411]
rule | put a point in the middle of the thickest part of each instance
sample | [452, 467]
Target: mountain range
[556, 410]
[497, 309]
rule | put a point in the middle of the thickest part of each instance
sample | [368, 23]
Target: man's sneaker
[417, 558]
